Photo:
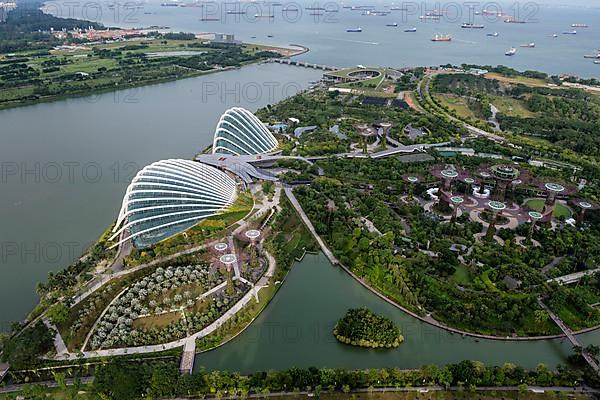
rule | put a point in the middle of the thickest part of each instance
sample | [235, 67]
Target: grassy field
[156, 321]
[30, 77]
[560, 210]
[517, 79]
[511, 107]
[458, 104]
[462, 275]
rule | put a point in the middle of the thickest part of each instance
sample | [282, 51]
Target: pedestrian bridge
[289, 61]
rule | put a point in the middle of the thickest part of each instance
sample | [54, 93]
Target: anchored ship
[470, 25]
[441, 38]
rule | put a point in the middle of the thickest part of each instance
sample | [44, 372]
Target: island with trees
[362, 327]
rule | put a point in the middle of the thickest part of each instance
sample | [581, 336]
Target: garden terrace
[166, 305]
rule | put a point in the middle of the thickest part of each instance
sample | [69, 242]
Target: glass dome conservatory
[170, 196]
[239, 132]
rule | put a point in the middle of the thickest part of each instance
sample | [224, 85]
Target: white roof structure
[239, 132]
[169, 196]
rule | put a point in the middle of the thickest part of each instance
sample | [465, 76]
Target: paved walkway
[59, 344]
[572, 278]
[186, 366]
[309, 225]
[263, 282]
[428, 319]
[3, 370]
[472, 129]
[569, 333]
[105, 278]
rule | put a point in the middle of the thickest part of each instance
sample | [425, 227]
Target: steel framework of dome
[170, 196]
[239, 132]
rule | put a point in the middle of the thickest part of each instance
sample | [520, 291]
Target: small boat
[570, 33]
[529, 45]
[269, 36]
[592, 56]
[441, 38]
[233, 12]
[494, 34]
[555, 35]
[393, 24]
[579, 25]
[511, 52]
[470, 25]
[263, 16]
[596, 61]
[252, 37]
[354, 30]
[410, 30]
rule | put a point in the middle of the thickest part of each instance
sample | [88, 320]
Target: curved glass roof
[169, 196]
[239, 132]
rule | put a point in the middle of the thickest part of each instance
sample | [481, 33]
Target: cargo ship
[470, 25]
[570, 33]
[410, 30]
[354, 30]
[529, 45]
[511, 52]
[441, 38]
[393, 24]
[579, 25]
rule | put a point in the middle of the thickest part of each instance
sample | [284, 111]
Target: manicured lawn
[462, 275]
[457, 104]
[511, 107]
[156, 321]
[560, 210]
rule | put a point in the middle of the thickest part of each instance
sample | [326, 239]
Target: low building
[415, 133]
[225, 38]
